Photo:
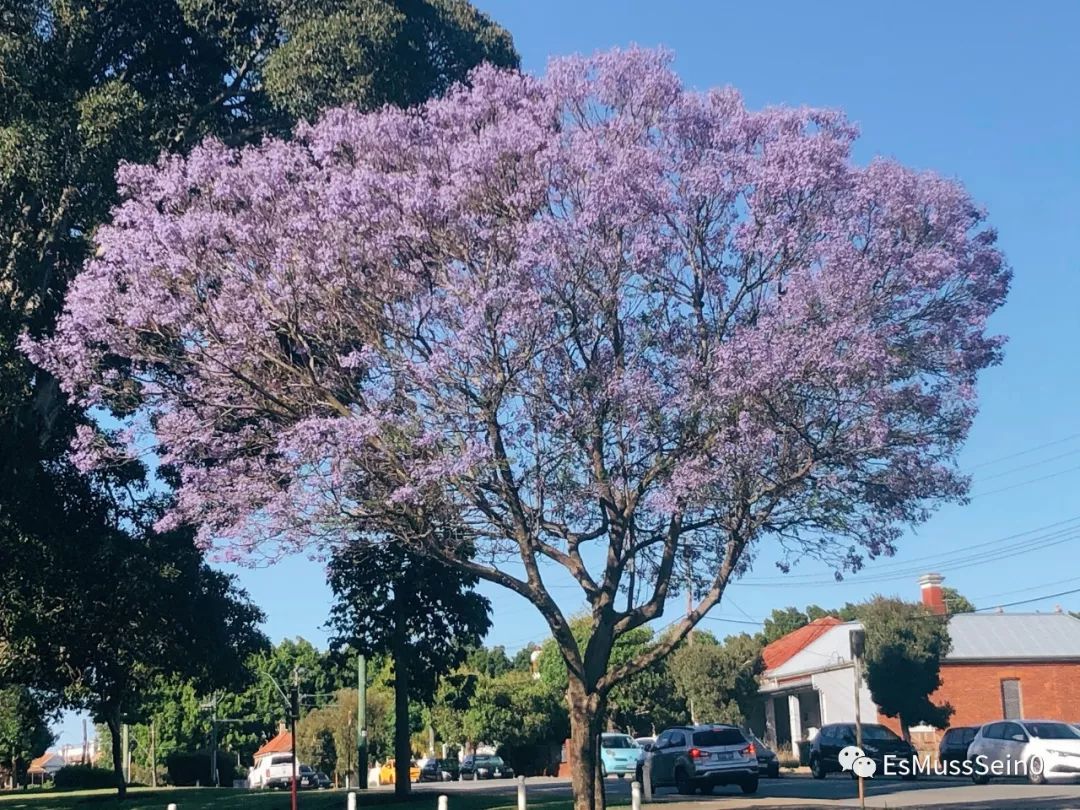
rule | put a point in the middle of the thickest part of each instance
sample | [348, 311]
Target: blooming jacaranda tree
[592, 321]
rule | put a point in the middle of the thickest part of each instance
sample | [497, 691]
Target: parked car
[1038, 749]
[954, 744]
[324, 781]
[877, 742]
[485, 766]
[702, 757]
[767, 760]
[308, 778]
[388, 771]
[645, 743]
[440, 770]
[619, 755]
[276, 772]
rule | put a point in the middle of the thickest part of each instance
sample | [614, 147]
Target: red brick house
[1001, 665]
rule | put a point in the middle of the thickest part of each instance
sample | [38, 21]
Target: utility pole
[361, 723]
[294, 715]
[125, 744]
[153, 753]
[858, 646]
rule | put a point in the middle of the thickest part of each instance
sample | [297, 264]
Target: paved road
[832, 793]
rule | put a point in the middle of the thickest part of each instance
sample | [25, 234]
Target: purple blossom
[555, 305]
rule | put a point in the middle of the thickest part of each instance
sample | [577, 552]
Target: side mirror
[1019, 738]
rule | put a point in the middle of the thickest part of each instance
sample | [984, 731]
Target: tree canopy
[589, 309]
[905, 644]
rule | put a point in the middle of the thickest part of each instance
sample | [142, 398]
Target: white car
[1035, 749]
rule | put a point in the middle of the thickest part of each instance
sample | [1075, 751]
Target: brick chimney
[932, 596]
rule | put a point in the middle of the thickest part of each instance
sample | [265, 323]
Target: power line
[1025, 483]
[1024, 590]
[1006, 473]
[937, 559]
[1053, 443]
[1028, 601]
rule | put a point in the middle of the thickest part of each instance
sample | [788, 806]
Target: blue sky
[983, 92]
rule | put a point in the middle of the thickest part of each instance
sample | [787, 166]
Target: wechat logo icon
[854, 759]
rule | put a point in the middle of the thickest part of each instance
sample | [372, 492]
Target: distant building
[44, 767]
[1002, 665]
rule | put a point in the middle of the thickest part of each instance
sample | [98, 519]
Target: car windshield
[306, 769]
[447, 763]
[719, 736]
[489, 761]
[878, 733]
[617, 741]
[1052, 731]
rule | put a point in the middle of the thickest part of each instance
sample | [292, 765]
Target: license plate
[724, 756]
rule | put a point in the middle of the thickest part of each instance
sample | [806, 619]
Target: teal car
[619, 755]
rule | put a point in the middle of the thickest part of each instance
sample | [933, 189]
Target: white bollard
[350, 802]
[171, 807]
[635, 795]
[646, 778]
[443, 802]
[521, 793]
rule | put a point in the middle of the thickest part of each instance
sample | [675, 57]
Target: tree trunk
[113, 722]
[586, 719]
[402, 733]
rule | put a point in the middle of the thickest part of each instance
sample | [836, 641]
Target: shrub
[84, 777]
[185, 768]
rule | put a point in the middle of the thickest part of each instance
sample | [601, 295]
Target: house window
[1010, 698]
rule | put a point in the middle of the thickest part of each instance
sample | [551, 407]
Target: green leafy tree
[956, 602]
[519, 714]
[905, 644]
[105, 647]
[491, 662]
[83, 86]
[639, 703]
[719, 679]
[424, 615]
[24, 729]
[782, 622]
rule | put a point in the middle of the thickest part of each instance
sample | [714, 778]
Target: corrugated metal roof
[1014, 636]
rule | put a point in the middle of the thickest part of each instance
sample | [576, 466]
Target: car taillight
[697, 753]
[750, 751]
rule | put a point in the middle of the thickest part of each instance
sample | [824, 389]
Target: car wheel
[980, 778]
[817, 768]
[774, 770]
[682, 782]
[639, 776]
[707, 789]
[749, 785]
[1036, 771]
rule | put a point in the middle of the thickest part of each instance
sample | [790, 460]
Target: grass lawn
[228, 798]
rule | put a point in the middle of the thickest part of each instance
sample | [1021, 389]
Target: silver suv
[702, 757]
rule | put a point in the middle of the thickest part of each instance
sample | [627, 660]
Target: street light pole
[361, 723]
[294, 715]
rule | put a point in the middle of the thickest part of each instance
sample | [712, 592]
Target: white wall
[837, 690]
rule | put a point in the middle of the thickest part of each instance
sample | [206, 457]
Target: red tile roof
[282, 743]
[787, 646]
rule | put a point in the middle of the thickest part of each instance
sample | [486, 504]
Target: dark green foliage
[24, 728]
[417, 610]
[83, 777]
[905, 644]
[718, 680]
[185, 769]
